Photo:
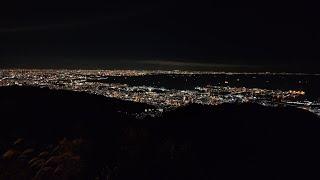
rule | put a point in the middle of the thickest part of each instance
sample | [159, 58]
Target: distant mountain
[70, 135]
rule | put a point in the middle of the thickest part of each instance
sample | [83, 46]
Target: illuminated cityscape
[161, 97]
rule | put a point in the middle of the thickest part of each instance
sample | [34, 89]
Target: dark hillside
[50, 134]
[57, 110]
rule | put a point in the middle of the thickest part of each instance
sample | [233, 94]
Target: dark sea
[304, 82]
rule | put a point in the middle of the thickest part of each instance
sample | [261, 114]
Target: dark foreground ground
[61, 135]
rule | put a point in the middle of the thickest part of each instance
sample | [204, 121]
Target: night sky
[203, 35]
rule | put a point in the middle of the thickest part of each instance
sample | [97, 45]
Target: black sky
[217, 35]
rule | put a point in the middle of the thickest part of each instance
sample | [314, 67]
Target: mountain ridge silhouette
[192, 142]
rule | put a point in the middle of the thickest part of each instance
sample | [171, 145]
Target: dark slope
[193, 142]
[248, 141]
[41, 110]
[44, 117]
